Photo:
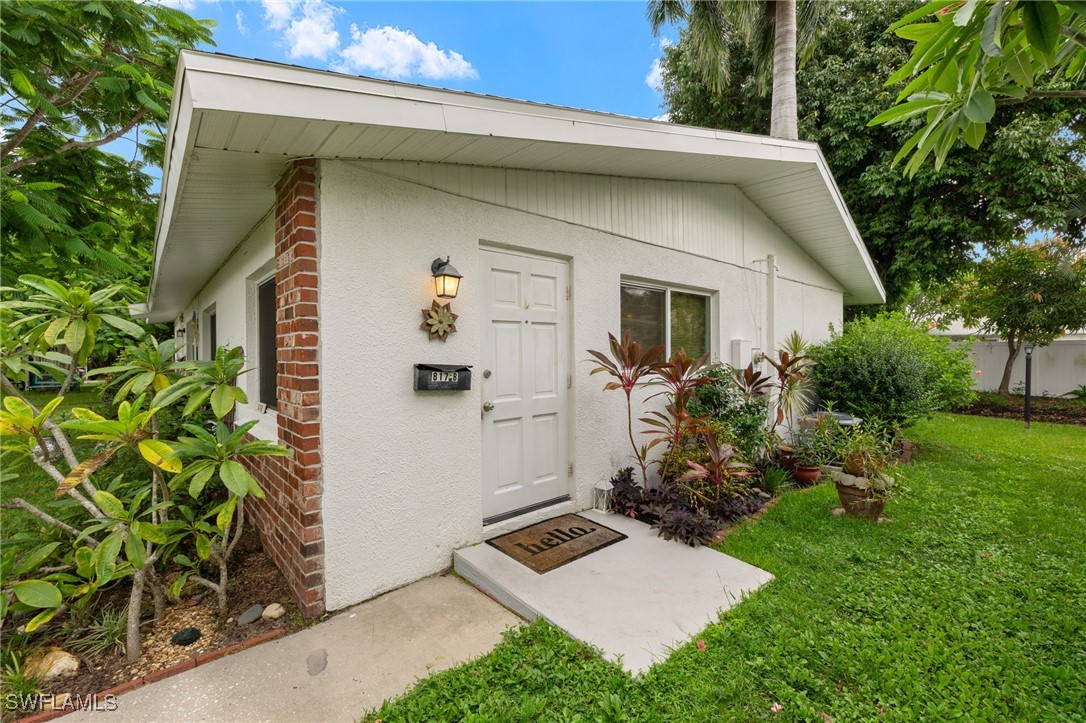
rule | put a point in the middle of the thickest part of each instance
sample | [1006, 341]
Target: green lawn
[971, 603]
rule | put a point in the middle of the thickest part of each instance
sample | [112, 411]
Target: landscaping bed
[969, 604]
[1042, 409]
[257, 582]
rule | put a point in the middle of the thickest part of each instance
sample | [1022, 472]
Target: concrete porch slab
[635, 600]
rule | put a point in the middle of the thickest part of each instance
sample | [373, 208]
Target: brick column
[289, 518]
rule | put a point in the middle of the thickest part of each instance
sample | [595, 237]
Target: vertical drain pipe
[771, 306]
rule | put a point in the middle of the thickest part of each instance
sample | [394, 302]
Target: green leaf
[179, 584]
[980, 108]
[84, 562]
[990, 40]
[222, 401]
[235, 477]
[196, 401]
[134, 550]
[196, 484]
[41, 619]
[965, 13]
[74, 336]
[33, 559]
[1042, 22]
[160, 454]
[226, 514]
[38, 594]
[110, 504]
[21, 83]
[128, 327]
[973, 133]
[105, 557]
[152, 533]
[203, 547]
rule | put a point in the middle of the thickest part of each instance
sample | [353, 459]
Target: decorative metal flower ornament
[439, 320]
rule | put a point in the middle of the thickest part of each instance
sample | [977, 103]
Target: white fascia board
[179, 143]
[253, 87]
[853, 232]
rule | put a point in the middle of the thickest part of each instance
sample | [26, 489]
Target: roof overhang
[236, 123]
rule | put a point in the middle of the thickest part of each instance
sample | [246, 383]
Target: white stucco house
[301, 211]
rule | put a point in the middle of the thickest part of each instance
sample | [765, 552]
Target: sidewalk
[333, 671]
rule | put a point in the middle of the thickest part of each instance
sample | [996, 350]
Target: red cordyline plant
[681, 375]
[630, 363]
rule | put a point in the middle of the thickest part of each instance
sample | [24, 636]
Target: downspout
[771, 306]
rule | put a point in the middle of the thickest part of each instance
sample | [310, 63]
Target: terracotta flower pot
[860, 502]
[807, 474]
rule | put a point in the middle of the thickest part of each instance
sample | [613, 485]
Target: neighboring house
[300, 214]
[1057, 368]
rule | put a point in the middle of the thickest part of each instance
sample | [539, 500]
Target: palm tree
[781, 33]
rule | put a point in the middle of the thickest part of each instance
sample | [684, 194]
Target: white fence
[1057, 368]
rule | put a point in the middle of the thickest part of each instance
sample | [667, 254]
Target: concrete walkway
[635, 600]
[333, 671]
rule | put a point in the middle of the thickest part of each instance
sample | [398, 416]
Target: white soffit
[236, 123]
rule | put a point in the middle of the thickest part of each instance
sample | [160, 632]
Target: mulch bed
[1042, 409]
[256, 581]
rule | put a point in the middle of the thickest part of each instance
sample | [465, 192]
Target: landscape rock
[185, 636]
[50, 664]
[274, 612]
[251, 615]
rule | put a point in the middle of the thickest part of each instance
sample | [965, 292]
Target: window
[212, 334]
[676, 319]
[266, 364]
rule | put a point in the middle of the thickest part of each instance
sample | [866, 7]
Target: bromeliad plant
[722, 475]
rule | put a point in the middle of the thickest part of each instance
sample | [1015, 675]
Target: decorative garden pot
[807, 475]
[860, 502]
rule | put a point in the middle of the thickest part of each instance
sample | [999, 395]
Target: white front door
[524, 382]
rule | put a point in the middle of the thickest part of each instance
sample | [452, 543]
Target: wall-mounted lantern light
[446, 278]
[180, 332]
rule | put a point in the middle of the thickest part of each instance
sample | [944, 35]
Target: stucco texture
[402, 468]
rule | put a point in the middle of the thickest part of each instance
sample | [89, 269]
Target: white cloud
[395, 53]
[239, 18]
[664, 117]
[308, 26]
[654, 79]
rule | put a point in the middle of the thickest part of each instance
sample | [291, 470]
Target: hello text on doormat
[555, 542]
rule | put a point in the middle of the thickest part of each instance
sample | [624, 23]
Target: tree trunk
[135, 599]
[784, 117]
[1013, 347]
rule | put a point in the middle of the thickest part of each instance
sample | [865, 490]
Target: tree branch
[1034, 94]
[21, 504]
[76, 145]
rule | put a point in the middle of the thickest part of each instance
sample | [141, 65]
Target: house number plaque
[442, 377]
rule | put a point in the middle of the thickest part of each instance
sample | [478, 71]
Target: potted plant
[808, 456]
[863, 484]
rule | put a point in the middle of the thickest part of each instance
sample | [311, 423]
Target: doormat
[555, 542]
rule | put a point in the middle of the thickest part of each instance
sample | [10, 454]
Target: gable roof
[235, 123]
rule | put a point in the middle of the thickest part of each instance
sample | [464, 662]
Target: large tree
[779, 35]
[918, 229]
[1026, 292]
[970, 57]
[77, 78]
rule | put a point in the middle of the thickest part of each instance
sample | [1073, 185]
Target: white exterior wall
[402, 483]
[232, 293]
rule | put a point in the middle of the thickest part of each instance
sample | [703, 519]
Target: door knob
[488, 406]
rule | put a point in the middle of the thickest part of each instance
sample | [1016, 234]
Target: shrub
[889, 368]
[743, 419]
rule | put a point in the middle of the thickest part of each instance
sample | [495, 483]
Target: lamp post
[1029, 380]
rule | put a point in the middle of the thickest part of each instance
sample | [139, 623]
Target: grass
[970, 603]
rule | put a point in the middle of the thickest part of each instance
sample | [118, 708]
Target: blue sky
[595, 55]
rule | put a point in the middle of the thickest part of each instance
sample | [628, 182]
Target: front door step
[635, 600]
